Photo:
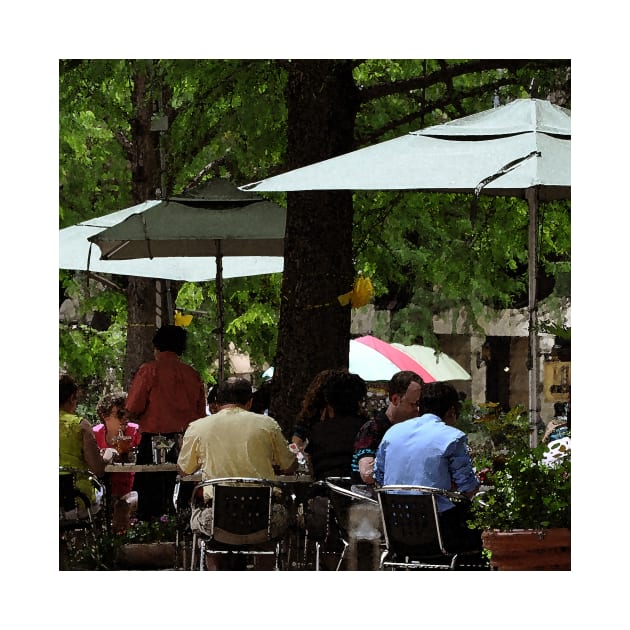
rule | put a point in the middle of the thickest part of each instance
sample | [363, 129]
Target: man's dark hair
[234, 390]
[438, 398]
[170, 338]
[399, 383]
[67, 388]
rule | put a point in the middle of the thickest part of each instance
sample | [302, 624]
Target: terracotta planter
[529, 549]
[146, 556]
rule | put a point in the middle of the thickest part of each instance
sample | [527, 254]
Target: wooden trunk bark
[144, 156]
[314, 330]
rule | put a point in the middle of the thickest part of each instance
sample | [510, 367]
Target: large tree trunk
[314, 329]
[145, 165]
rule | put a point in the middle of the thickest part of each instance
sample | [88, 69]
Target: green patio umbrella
[78, 253]
[214, 220]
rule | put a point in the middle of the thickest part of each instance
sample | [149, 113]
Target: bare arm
[366, 469]
[91, 452]
[291, 469]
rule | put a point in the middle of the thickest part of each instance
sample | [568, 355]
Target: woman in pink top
[111, 410]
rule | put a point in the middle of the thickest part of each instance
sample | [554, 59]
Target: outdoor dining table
[150, 468]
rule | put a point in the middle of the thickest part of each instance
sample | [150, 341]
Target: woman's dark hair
[261, 398]
[67, 388]
[212, 394]
[109, 401]
[345, 392]
[314, 402]
[170, 338]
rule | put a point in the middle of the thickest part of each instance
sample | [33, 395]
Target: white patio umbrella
[521, 149]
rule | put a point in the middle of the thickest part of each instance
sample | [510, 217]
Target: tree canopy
[248, 119]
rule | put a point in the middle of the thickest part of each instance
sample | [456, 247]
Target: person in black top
[331, 440]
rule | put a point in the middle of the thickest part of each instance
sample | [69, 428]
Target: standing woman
[165, 396]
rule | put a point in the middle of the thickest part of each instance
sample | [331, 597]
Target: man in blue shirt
[430, 451]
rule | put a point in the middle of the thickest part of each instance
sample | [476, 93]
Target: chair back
[241, 510]
[343, 498]
[410, 522]
[70, 496]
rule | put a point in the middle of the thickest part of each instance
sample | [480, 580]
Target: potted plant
[525, 510]
[148, 544]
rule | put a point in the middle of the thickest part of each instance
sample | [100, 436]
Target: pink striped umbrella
[376, 360]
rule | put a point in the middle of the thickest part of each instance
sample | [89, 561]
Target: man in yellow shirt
[234, 442]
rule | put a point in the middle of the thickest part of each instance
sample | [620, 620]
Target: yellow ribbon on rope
[361, 294]
[182, 320]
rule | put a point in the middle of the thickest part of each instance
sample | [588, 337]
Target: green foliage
[162, 529]
[425, 253]
[251, 311]
[99, 552]
[95, 358]
[526, 493]
[506, 431]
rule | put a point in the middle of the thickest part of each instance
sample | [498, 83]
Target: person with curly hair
[313, 408]
[114, 425]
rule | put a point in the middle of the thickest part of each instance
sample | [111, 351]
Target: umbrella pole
[531, 195]
[219, 289]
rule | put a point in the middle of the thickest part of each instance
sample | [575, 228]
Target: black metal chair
[413, 534]
[240, 520]
[346, 501]
[77, 513]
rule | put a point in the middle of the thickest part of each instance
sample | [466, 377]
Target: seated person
[331, 440]
[111, 411]
[313, 409]
[403, 392]
[211, 400]
[430, 451]
[235, 442]
[77, 446]
[559, 426]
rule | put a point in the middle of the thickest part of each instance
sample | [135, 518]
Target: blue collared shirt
[425, 451]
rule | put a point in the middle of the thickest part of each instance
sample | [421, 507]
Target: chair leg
[317, 546]
[192, 552]
[343, 553]
[202, 555]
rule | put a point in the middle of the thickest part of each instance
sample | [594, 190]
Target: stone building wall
[467, 348]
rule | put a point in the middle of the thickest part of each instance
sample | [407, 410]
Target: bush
[527, 493]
